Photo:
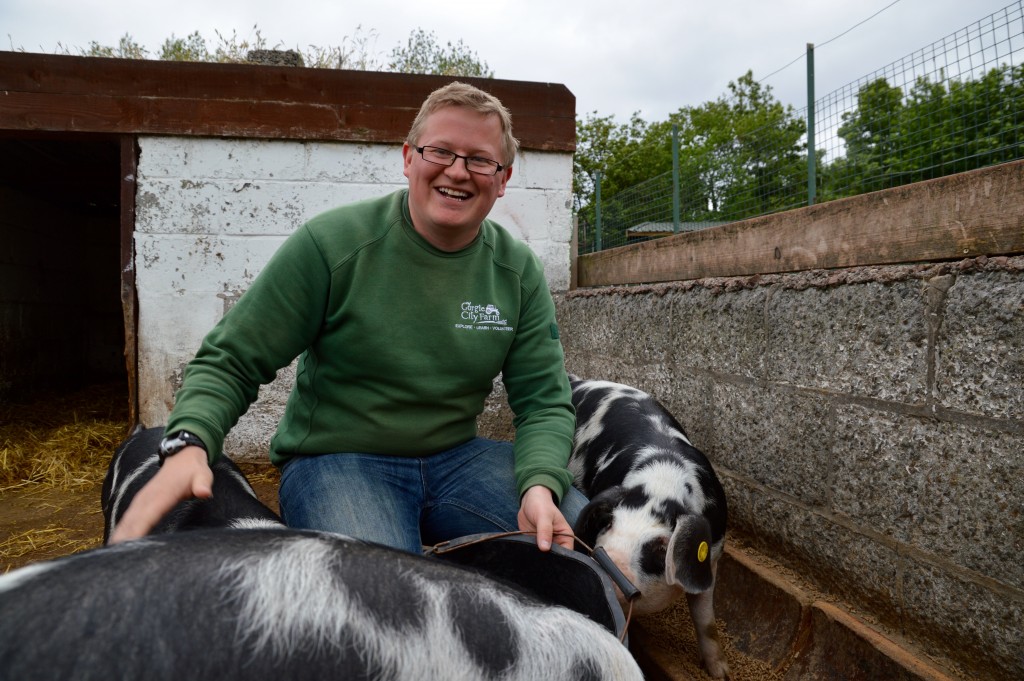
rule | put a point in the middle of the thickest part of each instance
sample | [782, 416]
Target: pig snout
[662, 565]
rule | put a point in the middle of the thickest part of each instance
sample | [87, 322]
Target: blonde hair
[465, 95]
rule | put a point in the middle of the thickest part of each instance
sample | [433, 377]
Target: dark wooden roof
[60, 93]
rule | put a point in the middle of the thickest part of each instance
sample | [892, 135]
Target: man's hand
[184, 475]
[538, 513]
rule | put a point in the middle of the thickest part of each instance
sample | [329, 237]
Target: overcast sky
[651, 56]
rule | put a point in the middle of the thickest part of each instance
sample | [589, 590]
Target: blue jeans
[409, 502]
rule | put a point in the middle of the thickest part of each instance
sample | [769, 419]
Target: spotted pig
[656, 505]
[279, 605]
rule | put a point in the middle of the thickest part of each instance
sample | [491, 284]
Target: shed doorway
[65, 232]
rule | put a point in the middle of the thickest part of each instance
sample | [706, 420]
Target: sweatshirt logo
[482, 318]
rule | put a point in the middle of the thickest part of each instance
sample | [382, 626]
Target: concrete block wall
[868, 425]
[211, 212]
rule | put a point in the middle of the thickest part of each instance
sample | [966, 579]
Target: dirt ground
[38, 523]
[669, 638]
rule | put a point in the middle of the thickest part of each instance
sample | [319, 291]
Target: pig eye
[653, 554]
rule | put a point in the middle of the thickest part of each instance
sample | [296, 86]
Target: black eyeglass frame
[455, 157]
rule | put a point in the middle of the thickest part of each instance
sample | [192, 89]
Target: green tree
[764, 163]
[937, 129]
[870, 132]
[423, 54]
[981, 122]
[740, 155]
[612, 150]
[192, 48]
[126, 48]
[235, 50]
[355, 53]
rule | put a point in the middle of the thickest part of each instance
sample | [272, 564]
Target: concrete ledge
[766, 616]
[840, 646]
[773, 629]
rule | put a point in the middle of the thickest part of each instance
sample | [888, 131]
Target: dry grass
[61, 440]
[259, 473]
[51, 445]
[52, 539]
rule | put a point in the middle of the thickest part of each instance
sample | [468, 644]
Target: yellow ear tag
[702, 551]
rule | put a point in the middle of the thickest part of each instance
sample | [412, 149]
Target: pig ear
[688, 559]
[597, 514]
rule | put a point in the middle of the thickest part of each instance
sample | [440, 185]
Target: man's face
[449, 203]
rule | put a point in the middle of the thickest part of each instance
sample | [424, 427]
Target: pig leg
[702, 610]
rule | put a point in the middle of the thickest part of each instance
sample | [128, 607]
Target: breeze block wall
[867, 423]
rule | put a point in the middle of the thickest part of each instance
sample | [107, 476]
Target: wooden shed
[73, 306]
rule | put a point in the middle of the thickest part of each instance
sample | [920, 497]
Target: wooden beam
[960, 216]
[125, 96]
[129, 299]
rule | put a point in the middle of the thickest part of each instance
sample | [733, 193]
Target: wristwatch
[175, 442]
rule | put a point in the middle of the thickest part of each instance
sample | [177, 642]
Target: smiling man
[402, 311]
[447, 200]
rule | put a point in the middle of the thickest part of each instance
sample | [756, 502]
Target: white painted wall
[210, 212]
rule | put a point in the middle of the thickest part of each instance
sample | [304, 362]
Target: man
[402, 309]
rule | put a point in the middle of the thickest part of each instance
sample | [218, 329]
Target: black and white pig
[656, 506]
[233, 505]
[280, 604]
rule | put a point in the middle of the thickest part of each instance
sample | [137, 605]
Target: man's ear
[507, 173]
[407, 153]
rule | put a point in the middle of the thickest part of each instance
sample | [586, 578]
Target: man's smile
[450, 193]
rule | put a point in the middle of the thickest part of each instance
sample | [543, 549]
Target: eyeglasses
[474, 164]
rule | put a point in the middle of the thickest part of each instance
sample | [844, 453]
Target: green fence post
[811, 152]
[675, 179]
[597, 211]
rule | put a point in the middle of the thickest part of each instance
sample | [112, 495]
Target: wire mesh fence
[953, 106]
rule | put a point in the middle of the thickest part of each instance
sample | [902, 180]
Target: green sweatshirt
[398, 345]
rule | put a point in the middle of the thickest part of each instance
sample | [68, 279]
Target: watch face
[173, 444]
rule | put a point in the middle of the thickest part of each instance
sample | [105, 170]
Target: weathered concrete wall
[868, 425]
[210, 212]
